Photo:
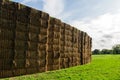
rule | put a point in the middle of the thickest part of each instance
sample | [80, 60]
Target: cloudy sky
[99, 18]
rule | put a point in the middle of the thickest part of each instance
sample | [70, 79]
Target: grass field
[102, 67]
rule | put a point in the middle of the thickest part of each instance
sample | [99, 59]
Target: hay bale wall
[31, 42]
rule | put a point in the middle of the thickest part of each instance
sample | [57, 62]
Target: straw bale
[41, 69]
[42, 38]
[49, 47]
[44, 23]
[57, 28]
[56, 61]
[56, 67]
[5, 64]
[6, 34]
[9, 5]
[56, 47]
[20, 54]
[41, 62]
[42, 46]
[31, 70]
[56, 41]
[19, 63]
[33, 45]
[23, 27]
[7, 44]
[45, 16]
[19, 44]
[18, 72]
[42, 54]
[6, 73]
[31, 54]
[56, 35]
[50, 55]
[56, 54]
[43, 31]
[7, 24]
[49, 67]
[50, 61]
[34, 37]
[21, 35]
[34, 29]
[8, 14]
[6, 53]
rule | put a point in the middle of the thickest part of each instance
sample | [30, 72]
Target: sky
[99, 18]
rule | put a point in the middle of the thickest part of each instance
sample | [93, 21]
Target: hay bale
[57, 28]
[9, 5]
[5, 64]
[7, 24]
[56, 47]
[44, 23]
[49, 47]
[49, 67]
[6, 53]
[56, 35]
[42, 54]
[42, 38]
[6, 34]
[19, 44]
[21, 35]
[6, 73]
[34, 37]
[43, 31]
[41, 69]
[56, 54]
[56, 61]
[34, 29]
[33, 45]
[7, 44]
[31, 54]
[42, 46]
[23, 27]
[45, 16]
[19, 72]
[50, 61]
[31, 70]
[56, 67]
[50, 55]
[8, 14]
[20, 54]
[56, 41]
[19, 63]
[41, 62]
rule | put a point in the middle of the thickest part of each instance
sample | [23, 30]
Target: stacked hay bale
[7, 29]
[31, 42]
[76, 55]
[62, 44]
[53, 47]
[68, 46]
[80, 46]
[21, 39]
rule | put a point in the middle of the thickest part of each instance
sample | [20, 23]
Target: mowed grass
[102, 67]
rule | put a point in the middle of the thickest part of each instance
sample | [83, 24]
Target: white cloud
[104, 29]
[53, 7]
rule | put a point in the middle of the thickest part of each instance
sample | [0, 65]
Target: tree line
[115, 50]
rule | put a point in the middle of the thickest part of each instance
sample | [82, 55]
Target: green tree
[116, 49]
[96, 51]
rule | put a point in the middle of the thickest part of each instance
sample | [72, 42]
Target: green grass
[102, 67]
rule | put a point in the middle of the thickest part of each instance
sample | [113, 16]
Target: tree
[96, 51]
[116, 49]
[106, 51]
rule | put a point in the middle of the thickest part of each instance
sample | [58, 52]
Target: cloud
[53, 7]
[104, 29]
